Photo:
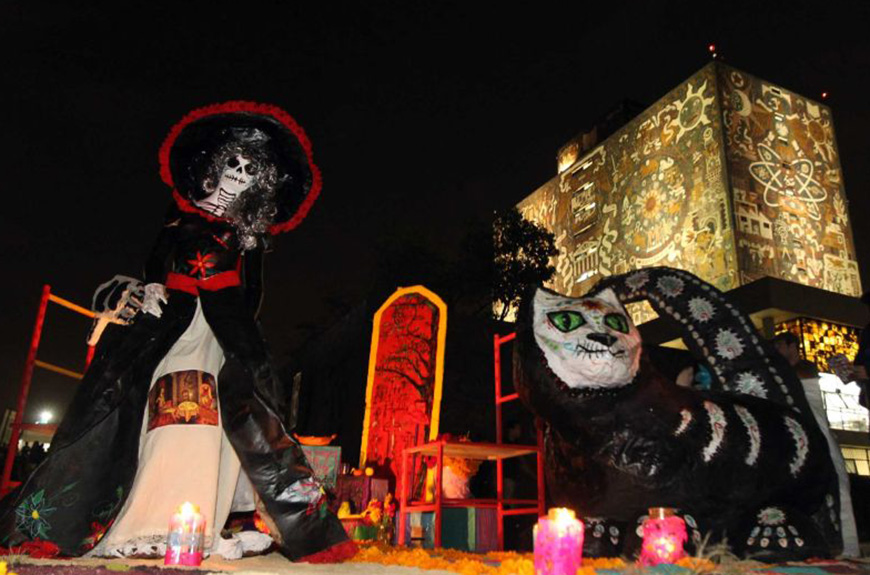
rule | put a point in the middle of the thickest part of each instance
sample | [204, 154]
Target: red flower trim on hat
[254, 108]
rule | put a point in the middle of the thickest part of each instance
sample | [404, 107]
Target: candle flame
[663, 539]
[188, 509]
[666, 544]
[562, 516]
[558, 542]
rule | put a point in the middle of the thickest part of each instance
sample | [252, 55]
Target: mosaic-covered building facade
[726, 176]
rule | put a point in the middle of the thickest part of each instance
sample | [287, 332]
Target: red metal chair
[497, 452]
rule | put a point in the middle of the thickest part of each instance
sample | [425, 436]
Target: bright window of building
[841, 404]
[857, 460]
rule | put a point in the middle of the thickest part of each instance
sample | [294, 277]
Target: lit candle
[558, 543]
[184, 542]
[663, 537]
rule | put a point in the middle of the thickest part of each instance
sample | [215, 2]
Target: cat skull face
[587, 342]
[239, 174]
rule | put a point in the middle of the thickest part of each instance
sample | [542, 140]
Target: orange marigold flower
[696, 564]
[604, 563]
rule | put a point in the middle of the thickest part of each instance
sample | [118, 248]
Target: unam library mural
[790, 207]
[656, 192]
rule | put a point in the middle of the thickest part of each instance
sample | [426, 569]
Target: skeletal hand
[132, 305]
[155, 294]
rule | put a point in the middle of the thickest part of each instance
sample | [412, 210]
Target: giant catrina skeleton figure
[744, 461]
[180, 402]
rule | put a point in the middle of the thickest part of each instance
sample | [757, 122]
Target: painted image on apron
[183, 397]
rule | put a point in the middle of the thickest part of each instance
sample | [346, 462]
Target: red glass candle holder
[664, 534]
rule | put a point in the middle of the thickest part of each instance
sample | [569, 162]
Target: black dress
[74, 495]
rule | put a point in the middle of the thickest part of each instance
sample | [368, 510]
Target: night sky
[424, 116]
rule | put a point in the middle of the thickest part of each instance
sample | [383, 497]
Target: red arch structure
[405, 378]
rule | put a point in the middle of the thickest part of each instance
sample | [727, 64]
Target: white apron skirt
[184, 454]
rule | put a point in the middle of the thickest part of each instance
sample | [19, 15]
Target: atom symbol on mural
[792, 179]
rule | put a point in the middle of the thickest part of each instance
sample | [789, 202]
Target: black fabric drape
[80, 487]
[82, 484]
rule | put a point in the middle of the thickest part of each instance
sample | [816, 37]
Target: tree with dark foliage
[521, 256]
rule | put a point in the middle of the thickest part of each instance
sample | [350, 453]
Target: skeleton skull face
[587, 342]
[239, 174]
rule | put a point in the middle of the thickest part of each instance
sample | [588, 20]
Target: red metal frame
[440, 448]
[6, 484]
[498, 451]
[500, 400]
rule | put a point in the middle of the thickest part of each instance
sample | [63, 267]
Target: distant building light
[856, 458]
[842, 407]
[820, 340]
[567, 158]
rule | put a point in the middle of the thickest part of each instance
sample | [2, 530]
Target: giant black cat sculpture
[743, 461]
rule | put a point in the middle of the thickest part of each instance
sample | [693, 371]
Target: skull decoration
[238, 175]
[588, 342]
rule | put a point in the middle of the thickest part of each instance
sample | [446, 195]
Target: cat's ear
[610, 297]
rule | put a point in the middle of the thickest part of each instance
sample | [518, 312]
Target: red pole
[541, 480]
[496, 353]
[438, 469]
[24, 391]
[499, 502]
[89, 357]
[499, 469]
[403, 497]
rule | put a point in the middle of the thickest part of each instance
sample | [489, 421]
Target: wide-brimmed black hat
[188, 149]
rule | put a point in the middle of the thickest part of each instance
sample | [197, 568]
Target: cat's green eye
[566, 321]
[616, 321]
